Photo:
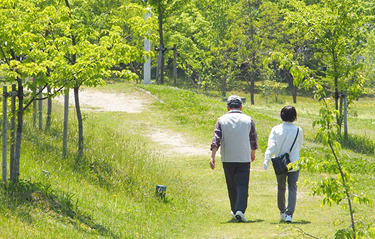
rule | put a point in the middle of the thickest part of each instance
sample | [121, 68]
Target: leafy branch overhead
[64, 46]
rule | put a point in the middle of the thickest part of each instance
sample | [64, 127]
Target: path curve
[135, 103]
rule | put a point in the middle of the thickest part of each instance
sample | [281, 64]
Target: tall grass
[110, 192]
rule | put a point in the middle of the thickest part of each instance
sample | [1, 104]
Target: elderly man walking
[236, 136]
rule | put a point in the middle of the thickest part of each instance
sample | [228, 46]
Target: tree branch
[2, 50]
[125, 38]
[343, 181]
[34, 97]
[105, 13]
[48, 96]
[305, 234]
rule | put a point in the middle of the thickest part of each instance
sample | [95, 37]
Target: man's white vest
[235, 140]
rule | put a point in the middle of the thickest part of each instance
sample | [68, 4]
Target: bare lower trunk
[17, 154]
[12, 131]
[65, 130]
[224, 86]
[5, 135]
[80, 124]
[346, 190]
[34, 105]
[161, 40]
[340, 118]
[252, 88]
[49, 110]
[162, 70]
[292, 87]
[40, 111]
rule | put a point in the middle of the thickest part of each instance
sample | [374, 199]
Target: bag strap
[294, 140]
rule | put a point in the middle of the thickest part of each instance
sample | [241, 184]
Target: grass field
[110, 193]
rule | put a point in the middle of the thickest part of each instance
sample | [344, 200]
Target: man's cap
[234, 99]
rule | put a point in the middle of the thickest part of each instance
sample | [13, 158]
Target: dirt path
[99, 101]
[135, 103]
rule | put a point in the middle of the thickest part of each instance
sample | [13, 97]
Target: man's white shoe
[240, 216]
[282, 215]
[288, 218]
[233, 215]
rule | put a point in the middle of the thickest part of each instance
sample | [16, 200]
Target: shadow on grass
[23, 198]
[299, 222]
[248, 221]
[96, 169]
[357, 143]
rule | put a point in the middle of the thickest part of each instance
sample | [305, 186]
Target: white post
[147, 45]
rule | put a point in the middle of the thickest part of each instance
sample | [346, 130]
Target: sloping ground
[135, 103]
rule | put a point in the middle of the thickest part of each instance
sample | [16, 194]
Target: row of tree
[64, 45]
[228, 41]
[67, 44]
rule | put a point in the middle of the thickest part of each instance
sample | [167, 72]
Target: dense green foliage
[222, 43]
[62, 46]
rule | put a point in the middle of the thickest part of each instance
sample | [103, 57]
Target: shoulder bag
[280, 164]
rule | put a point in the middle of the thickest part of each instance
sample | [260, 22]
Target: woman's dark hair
[288, 113]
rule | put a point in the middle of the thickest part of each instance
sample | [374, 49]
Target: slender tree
[336, 28]
[164, 10]
[37, 36]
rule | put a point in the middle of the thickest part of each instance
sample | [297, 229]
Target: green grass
[110, 193]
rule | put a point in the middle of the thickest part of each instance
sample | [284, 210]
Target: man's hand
[212, 163]
[252, 155]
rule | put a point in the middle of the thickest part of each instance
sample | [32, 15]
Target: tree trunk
[161, 42]
[345, 116]
[175, 64]
[252, 87]
[162, 69]
[49, 110]
[337, 96]
[160, 59]
[294, 94]
[224, 86]
[17, 154]
[341, 105]
[346, 189]
[80, 124]
[5, 135]
[12, 130]
[292, 87]
[34, 105]
[40, 112]
[199, 84]
[66, 119]
[253, 73]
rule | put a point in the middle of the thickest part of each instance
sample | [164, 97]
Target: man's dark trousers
[237, 177]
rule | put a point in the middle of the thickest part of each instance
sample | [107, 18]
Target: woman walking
[280, 142]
